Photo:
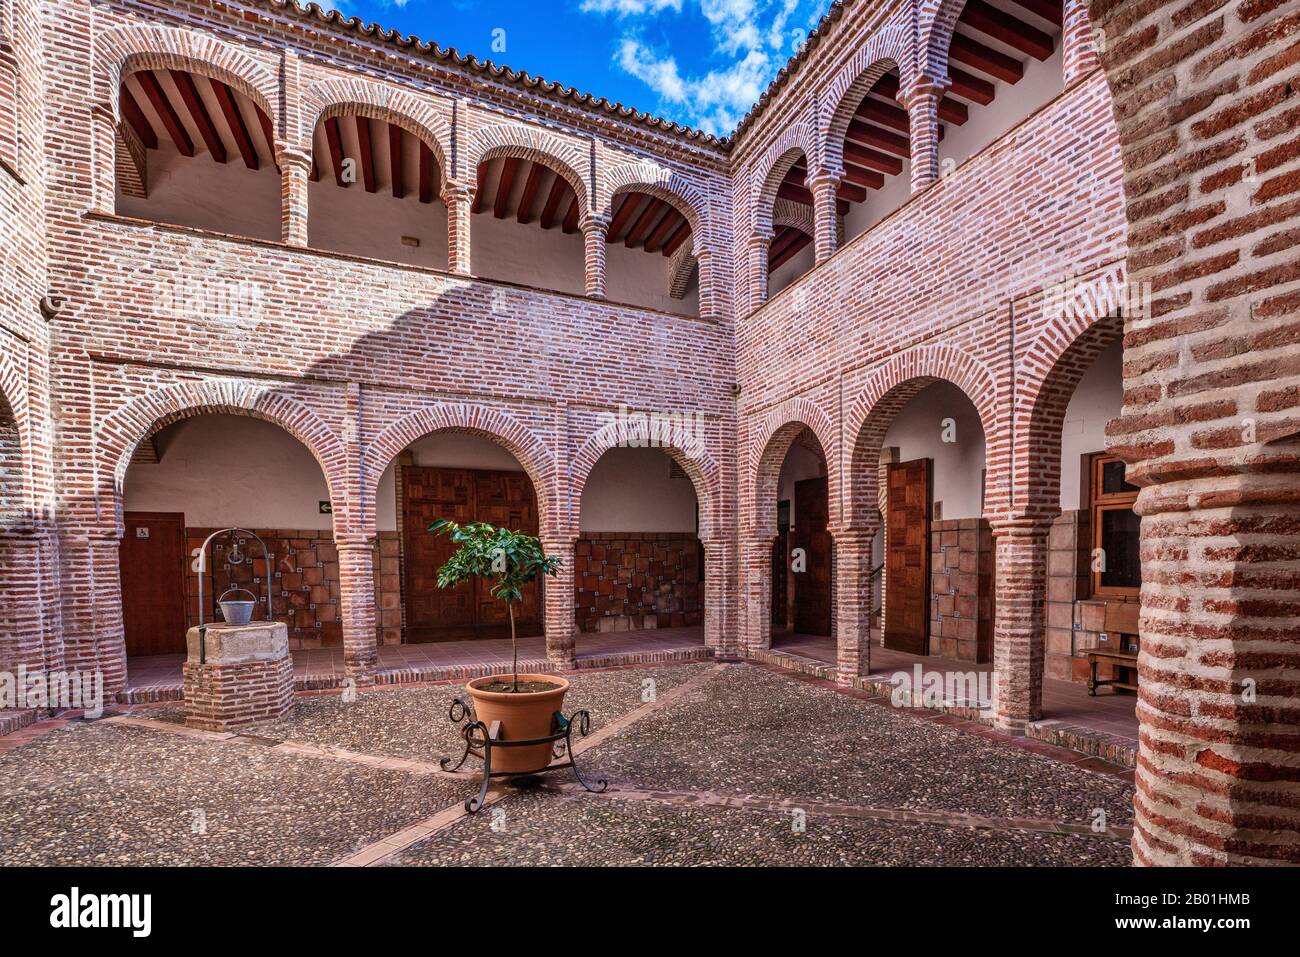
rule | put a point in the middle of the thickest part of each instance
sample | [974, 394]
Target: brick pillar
[594, 231]
[560, 622]
[26, 572]
[853, 603]
[825, 216]
[1078, 50]
[756, 576]
[1018, 622]
[357, 606]
[707, 294]
[756, 266]
[1218, 773]
[458, 199]
[715, 595]
[922, 102]
[103, 170]
[295, 168]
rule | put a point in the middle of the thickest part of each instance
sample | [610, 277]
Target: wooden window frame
[1099, 502]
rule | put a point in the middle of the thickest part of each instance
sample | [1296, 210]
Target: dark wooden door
[462, 495]
[812, 586]
[152, 561]
[780, 611]
[907, 557]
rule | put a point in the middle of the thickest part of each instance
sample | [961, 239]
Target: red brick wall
[631, 580]
[1208, 104]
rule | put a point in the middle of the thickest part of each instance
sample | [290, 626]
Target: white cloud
[755, 36]
[714, 102]
[630, 8]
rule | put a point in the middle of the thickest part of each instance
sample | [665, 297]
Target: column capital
[820, 179]
[760, 237]
[854, 534]
[456, 191]
[593, 221]
[923, 88]
[1021, 526]
[355, 541]
[291, 157]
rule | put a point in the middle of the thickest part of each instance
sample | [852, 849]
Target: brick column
[707, 294]
[756, 582]
[715, 596]
[1018, 621]
[594, 231]
[458, 199]
[26, 571]
[103, 169]
[1078, 49]
[1218, 774]
[922, 102]
[560, 622]
[853, 603]
[295, 168]
[357, 606]
[825, 216]
[756, 266]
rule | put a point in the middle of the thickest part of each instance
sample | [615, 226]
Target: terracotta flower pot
[522, 716]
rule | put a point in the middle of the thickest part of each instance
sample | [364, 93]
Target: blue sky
[699, 62]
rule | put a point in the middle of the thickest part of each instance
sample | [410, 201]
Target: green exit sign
[326, 508]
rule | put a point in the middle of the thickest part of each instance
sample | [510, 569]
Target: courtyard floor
[707, 763]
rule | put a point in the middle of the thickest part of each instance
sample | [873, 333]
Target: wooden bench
[1122, 622]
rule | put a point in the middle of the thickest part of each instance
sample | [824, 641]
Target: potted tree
[522, 703]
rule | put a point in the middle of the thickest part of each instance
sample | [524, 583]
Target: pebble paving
[750, 731]
[102, 794]
[543, 829]
[412, 722]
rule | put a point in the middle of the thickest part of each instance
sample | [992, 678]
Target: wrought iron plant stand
[480, 741]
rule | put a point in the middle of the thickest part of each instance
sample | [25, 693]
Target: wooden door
[812, 586]
[506, 499]
[462, 495]
[780, 610]
[152, 567]
[907, 557]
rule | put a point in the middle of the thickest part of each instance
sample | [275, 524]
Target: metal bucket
[237, 612]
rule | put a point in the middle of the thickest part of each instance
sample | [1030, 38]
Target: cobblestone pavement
[546, 829]
[715, 770]
[95, 793]
[412, 722]
[751, 731]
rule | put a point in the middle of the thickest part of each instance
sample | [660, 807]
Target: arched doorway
[201, 473]
[801, 603]
[463, 477]
[640, 570]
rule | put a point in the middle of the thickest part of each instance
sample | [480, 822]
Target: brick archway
[466, 419]
[123, 50]
[884, 395]
[122, 431]
[523, 142]
[1081, 326]
[660, 182]
[354, 97]
[682, 445]
[770, 442]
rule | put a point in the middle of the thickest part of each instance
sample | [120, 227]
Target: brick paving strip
[382, 851]
[755, 802]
